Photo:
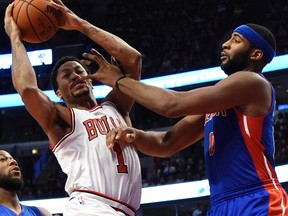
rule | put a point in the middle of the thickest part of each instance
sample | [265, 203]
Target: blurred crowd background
[172, 36]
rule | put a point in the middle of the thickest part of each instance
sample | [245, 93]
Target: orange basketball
[38, 20]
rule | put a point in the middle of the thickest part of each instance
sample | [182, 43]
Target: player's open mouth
[223, 56]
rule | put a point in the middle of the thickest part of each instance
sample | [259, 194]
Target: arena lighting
[37, 58]
[169, 81]
[172, 192]
[283, 107]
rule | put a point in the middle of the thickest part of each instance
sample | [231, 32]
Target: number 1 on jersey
[121, 167]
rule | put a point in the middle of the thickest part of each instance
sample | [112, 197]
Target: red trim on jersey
[263, 167]
[96, 107]
[72, 123]
[119, 210]
[108, 197]
[278, 202]
[253, 144]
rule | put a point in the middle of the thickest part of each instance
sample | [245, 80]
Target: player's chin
[224, 62]
[81, 92]
[16, 175]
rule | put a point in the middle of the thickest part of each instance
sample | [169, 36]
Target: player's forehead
[70, 65]
[239, 36]
[5, 154]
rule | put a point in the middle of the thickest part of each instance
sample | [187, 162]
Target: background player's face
[71, 84]
[10, 173]
[235, 54]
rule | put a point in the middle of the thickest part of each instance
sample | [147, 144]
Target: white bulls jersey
[114, 176]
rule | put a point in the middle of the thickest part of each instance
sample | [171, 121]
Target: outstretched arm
[245, 90]
[161, 144]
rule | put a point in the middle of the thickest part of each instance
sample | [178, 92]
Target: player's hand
[106, 73]
[121, 134]
[69, 20]
[10, 26]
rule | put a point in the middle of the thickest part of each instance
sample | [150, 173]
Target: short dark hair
[57, 65]
[265, 33]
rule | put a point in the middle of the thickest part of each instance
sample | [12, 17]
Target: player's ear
[59, 94]
[256, 54]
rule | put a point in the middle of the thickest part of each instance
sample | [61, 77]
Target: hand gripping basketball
[38, 20]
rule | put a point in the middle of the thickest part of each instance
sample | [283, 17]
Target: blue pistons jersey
[239, 159]
[26, 211]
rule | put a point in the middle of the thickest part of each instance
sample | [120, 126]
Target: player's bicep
[238, 90]
[226, 94]
[39, 105]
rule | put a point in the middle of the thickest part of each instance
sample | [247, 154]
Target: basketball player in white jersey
[99, 181]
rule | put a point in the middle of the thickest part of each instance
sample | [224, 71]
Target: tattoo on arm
[16, 57]
[90, 29]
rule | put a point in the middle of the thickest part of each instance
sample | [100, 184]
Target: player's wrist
[117, 81]
[137, 134]
[15, 37]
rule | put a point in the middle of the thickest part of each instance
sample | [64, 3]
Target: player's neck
[10, 200]
[85, 105]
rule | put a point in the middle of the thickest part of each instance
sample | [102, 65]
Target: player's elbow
[27, 92]
[133, 58]
[136, 59]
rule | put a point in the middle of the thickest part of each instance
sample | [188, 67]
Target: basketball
[38, 20]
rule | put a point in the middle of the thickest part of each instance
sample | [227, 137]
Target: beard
[79, 94]
[84, 91]
[238, 63]
[11, 184]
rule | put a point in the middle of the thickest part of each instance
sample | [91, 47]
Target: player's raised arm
[24, 79]
[126, 56]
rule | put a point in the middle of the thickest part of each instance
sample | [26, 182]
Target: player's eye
[79, 72]
[3, 159]
[66, 75]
